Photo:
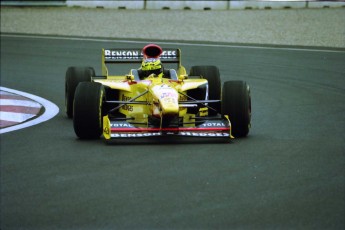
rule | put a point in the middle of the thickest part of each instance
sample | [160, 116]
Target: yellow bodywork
[162, 98]
[154, 96]
[163, 94]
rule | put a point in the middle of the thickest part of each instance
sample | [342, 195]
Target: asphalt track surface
[288, 174]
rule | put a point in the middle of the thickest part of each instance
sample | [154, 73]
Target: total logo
[214, 124]
[121, 125]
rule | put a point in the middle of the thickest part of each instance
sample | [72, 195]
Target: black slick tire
[212, 75]
[75, 75]
[236, 103]
[87, 117]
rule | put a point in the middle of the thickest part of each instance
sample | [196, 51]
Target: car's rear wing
[122, 56]
[136, 55]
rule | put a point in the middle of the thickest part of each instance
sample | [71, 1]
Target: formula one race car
[153, 100]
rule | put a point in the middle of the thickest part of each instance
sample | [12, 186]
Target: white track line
[311, 49]
[50, 111]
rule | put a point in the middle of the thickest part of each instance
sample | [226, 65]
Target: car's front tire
[236, 103]
[75, 75]
[212, 75]
[87, 116]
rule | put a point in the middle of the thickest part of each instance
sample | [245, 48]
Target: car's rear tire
[236, 103]
[74, 75]
[212, 75]
[87, 117]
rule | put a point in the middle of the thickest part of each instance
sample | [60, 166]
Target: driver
[151, 66]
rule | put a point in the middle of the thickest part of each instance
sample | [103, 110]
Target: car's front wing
[213, 128]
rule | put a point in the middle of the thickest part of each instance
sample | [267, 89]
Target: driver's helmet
[152, 66]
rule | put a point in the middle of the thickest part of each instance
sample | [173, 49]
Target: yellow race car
[154, 100]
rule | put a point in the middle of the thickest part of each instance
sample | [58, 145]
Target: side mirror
[182, 77]
[130, 77]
